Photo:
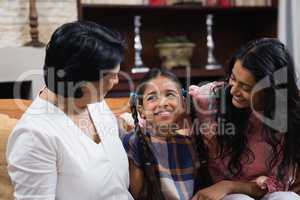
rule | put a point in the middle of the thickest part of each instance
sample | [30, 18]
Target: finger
[193, 88]
[193, 92]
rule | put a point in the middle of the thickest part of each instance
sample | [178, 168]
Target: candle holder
[139, 66]
[33, 22]
[211, 61]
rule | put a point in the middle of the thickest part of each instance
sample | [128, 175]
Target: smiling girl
[162, 155]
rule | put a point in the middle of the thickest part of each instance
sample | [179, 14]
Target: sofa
[10, 111]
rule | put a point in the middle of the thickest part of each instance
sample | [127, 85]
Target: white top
[49, 157]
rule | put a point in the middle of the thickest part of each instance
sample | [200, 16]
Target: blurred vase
[175, 54]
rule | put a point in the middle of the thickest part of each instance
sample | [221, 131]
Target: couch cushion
[14, 107]
[118, 105]
[6, 125]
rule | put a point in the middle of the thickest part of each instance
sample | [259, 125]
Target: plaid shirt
[176, 161]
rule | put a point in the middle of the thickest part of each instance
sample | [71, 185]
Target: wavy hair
[263, 58]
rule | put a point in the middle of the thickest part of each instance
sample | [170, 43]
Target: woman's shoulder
[31, 136]
[39, 122]
[36, 128]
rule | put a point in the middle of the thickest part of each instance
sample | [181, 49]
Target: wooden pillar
[33, 22]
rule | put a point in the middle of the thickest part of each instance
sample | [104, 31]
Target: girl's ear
[141, 111]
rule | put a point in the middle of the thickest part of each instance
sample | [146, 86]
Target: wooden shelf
[194, 75]
[183, 73]
[233, 26]
[142, 8]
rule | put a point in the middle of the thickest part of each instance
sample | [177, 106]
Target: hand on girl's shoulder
[126, 122]
[261, 182]
[204, 96]
[203, 91]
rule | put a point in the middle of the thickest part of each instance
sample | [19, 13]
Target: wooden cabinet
[233, 27]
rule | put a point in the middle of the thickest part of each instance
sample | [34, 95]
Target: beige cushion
[13, 107]
[118, 105]
[6, 125]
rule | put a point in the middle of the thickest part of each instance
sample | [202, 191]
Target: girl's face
[163, 104]
[242, 82]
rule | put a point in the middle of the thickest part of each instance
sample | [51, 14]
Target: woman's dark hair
[151, 189]
[265, 58]
[80, 51]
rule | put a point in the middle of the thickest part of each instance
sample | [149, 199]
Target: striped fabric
[176, 161]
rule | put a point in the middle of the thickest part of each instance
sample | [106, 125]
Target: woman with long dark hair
[253, 143]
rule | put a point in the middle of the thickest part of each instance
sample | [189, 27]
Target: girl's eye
[151, 98]
[171, 94]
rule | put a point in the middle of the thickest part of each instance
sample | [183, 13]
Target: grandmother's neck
[68, 105]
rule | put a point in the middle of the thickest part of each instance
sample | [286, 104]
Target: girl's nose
[163, 101]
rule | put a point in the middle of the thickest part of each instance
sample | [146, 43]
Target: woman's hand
[215, 192]
[199, 92]
[261, 181]
[219, 190]
[125, 121]
[202, 97]
[269, 184]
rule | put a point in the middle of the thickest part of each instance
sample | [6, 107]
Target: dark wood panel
[233, 27]
[187, 76]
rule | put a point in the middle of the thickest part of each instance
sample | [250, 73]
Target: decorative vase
[175, 54]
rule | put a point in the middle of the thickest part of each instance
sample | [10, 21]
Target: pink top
[254, 166]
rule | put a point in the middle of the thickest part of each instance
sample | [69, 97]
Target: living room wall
[17, 61]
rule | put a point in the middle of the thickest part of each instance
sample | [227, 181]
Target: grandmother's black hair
[80, 51]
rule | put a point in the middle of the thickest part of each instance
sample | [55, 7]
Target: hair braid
[151, 189]
[203, 178]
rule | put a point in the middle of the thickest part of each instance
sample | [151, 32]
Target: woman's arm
[249, 188]
[136, 179]
[219, 190]
[32, 163]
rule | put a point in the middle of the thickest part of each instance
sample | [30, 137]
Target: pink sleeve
[273, 185]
